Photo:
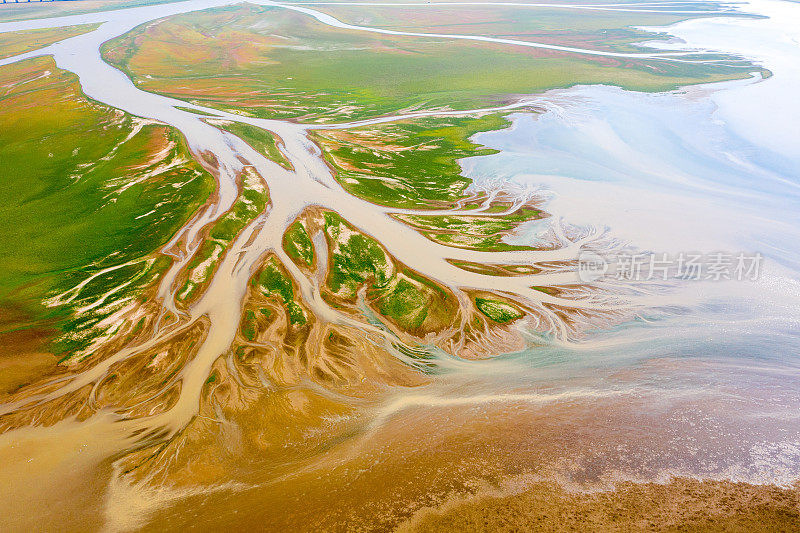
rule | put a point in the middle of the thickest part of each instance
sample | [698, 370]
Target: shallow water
[673, 173]
[703, 384]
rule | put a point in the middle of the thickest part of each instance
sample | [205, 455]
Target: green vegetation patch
[249, 325]
[19, 42]
[273, 281]
[410, 165]
[274, 63]
[355, 259]
[298, 245]
[261, 140]
[477, 232]
[495, 270]
[251, 202]
[414, 303]
[497, 310]
[36, 10]
[404, 303]
[81, 193]
[194, 111]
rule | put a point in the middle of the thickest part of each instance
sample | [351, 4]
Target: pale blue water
[659, 170]
[663, 173]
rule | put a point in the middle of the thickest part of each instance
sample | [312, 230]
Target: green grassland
[497, 310]
[410, 164]
[595, 29]
[19, 42]
[298, 245]
[270, 62]
[75, 200]
[410, 301]
[261, 140]
[273, 282]
[251, 201]
[35, 10]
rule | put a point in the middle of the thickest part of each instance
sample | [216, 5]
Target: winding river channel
[291, 191]
[716, 364]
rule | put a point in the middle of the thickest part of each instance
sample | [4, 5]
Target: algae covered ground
[13, 11]
[307, 294]
[85, 188]
[270, 62]
[15, 43]
[275, 63]
[413, 164]
[95, 192]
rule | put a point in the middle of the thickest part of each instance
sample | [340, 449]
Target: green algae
[82, 191]
[261, 140]
[298, 245]
[268, 62]
[252, 201]
[497, 310]
[418, 167]
[273, 281]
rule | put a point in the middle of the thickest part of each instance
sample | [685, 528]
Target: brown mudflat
[681, 505]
